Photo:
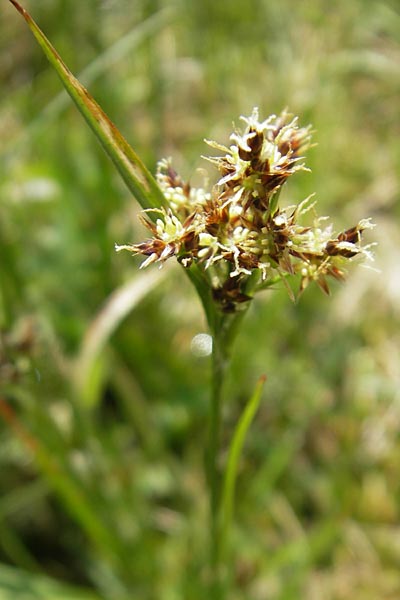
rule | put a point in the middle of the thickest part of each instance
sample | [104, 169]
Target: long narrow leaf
[110, 56]
[235, 451]
[121, 302]
[135, 174]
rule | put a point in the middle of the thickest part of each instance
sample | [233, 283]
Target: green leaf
[135, 174]
[235, 451]
[88, 367]
[16, 584]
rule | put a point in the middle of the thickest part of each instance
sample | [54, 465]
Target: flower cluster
[238, 231]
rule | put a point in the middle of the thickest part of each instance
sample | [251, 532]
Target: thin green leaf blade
[235, 451]
[133, 171]
[121, 302]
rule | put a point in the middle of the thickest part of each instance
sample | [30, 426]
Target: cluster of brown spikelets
[238, 230]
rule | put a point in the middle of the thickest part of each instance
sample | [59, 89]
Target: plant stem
[220, 364]
[224, 329]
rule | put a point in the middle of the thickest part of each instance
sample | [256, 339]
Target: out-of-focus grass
[102, 485]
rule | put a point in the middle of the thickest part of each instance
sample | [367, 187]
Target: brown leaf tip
[20, 9]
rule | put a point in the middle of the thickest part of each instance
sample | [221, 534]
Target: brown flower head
[238, 231]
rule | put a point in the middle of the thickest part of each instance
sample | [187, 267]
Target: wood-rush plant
[233, 241]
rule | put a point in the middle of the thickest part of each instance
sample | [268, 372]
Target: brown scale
[279, 252]
[255, 144]
[150, 246]
[284, 147]
[352, 236]
[306, 256]
[190, 242]
[247, 260]
[229, 295]
[332, 249]
[280, 234]
[259, 166]
[292, 146]
[260, 204]
[175, 181]
[215, 216]
[270, 181]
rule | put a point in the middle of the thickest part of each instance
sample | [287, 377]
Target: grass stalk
[220, 363]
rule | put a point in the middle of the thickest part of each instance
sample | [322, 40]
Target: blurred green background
[103, 403]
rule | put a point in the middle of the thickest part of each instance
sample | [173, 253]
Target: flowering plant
[241, 241]
[233, 240]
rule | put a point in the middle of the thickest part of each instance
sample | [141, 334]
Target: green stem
[219, 367]
[224, 329]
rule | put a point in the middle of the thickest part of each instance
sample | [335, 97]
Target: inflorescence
[237, 232]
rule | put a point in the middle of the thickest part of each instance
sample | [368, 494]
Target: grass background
[104, 405]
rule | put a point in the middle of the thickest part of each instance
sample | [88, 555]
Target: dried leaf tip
[21, 10]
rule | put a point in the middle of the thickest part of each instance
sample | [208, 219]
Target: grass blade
[111, 56]
[135, 174]
[121, 302]
[235, 450]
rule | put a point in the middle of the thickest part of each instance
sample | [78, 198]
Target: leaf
[133, 171]
[106, 60]
[235, 450]
[121, 302]
[135, 174]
